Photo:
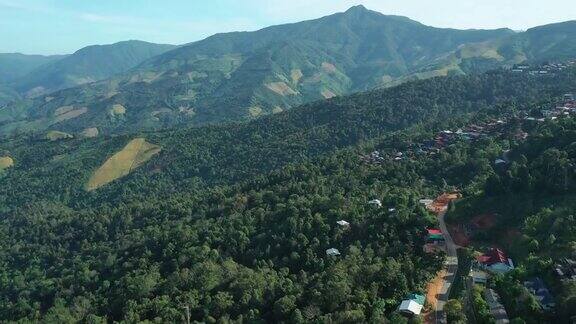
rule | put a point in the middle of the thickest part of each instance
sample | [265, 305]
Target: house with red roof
[495, 260]
[435, 236]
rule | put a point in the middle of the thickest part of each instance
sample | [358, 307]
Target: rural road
[451, 265]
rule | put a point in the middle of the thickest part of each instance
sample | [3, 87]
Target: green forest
[233, 221]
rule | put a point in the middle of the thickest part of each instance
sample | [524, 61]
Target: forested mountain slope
[234, 221]
[224, 154]
[244, 75]
[16, 65]
[89, 64]
[239, 76]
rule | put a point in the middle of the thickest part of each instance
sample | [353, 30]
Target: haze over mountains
[244, 75]
[34, 75]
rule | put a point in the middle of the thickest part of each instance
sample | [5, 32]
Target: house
[412, 305]
[495, 260]
[496, 308]
[375, 202]
[500, 162]
[537, 288]
[435, 236]
[343, 223]
[566, 269]
[426, 202]
[332, 252]
[478, 277]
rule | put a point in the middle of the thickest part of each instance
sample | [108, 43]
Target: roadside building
[495, 260]
[435, 236]
[478, 277]
[496, 308]
[412, 305]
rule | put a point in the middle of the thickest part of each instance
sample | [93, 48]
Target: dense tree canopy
[234, 221]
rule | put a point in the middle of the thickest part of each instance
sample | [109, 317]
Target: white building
[332, 252]
[375, 202]
[343, 223]
[410, 307]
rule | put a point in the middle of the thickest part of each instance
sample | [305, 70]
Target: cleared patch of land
[296, 75]
[255, 111]
[281, 88]
[90, 132]
[118, 110]
[57, 135]
[329, 67]
[328, 94]
[70, 114]
[62, 110]
[134, 154]
[6, 162]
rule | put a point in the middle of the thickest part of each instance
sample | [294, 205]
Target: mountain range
[30, 76]
[244, 75]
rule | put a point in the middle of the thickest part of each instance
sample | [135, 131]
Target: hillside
[234, 221]
[15, 65]
[225, 154]
[242, 76]
[554, 42]
[89, 64]
[530, 204]
[7, 95]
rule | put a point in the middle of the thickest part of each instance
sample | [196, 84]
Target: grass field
[134, 154]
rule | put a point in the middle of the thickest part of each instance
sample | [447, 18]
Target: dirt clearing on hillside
[133, 155]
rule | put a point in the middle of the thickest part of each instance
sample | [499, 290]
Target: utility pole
[187, 314]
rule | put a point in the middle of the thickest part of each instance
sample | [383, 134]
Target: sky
[64, 26]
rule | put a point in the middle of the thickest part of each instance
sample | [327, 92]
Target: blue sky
[63, 26]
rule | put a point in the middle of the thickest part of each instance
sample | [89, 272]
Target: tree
[454, 311]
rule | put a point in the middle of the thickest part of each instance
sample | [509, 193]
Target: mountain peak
[358, 8]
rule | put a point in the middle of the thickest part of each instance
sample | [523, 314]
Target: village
[492, 260]
[493, 128]
[543, 69]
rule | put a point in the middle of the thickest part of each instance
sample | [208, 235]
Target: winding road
[451, 265]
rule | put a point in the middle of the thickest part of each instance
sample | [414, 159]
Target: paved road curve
[451, 265]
